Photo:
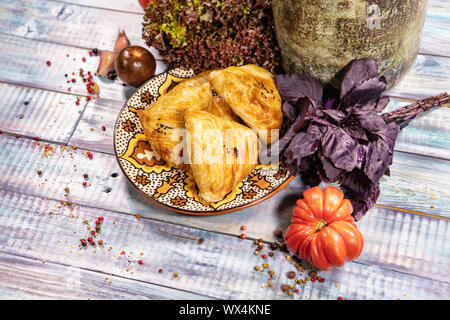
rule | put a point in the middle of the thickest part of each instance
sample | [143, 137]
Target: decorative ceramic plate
[168, 186]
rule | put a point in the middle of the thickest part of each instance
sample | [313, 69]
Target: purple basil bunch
[343, 139]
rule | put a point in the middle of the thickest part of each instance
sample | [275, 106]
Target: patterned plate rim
[185, 211]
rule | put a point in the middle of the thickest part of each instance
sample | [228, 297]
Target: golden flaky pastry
[163, 122]
[222, 153]
[219, 107]
[252, 94]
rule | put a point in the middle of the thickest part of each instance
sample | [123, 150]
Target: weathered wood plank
[426, 135]
[25, 278]
[435, 34]
[427, 77]
[438, 6]
[121, 5]
[38, 113]
[24, 63]
[69, 24]
[222, 266]
[417, 183]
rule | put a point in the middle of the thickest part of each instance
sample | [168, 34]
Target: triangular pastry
[222, 153]
[252, 94]
[163, 121]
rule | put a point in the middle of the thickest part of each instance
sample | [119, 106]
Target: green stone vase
[320, 37]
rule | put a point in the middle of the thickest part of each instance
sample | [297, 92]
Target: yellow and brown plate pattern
[171, 187]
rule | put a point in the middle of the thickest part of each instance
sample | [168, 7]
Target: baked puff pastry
[252, 94]
[219, 107]
[222, 153]
[163, 122]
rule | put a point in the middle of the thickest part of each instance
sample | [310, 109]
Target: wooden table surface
[407, 248]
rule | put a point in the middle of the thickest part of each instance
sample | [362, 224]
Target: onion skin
[106, 63]
[107, 57]
[135, 65]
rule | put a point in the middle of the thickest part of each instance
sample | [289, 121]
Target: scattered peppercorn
[243, 236]
[26, 103]
[84, 184]
[141, 262]
[201, 240]
[291, 275]
[243, 228]
[265, 265]
[100, 242]
[175, 275]
[285, 288]
[271, 254]
[85, 176]
[48, 63]
[274, 246]
[278, 233]
[160, 270]
[312, 274]
[340, 298]
[114, 175]
[264, 256]
[39, 172]
[66, 189]
[257, 268]
[95, 51]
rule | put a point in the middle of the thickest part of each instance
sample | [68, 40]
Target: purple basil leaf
[330, 172]
[356, 184]
[340, 148]
[289, 112]
[382, 103]
[363, 94]
[304, 143]
[331, 104]
[336, 115]
[357, 72]
[293, 87]
[370, 121]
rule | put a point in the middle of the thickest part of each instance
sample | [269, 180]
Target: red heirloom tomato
[323, 231]
[144, 3]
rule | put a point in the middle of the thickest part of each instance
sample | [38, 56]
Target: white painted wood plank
[436, 33]
[121, 5]
[222, 266]
[69, 24]
[417, 183]
[428, 77]
[31, 278]
[38, 113]
[24, 63]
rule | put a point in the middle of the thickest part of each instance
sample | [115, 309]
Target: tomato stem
[321, 224]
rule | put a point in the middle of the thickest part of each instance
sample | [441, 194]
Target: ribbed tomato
[323, 231]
